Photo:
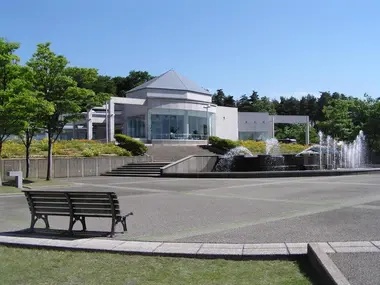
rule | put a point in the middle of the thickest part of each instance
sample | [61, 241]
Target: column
[273, 127]
[89, 125]
[186, 125]
[111, 125]
[307, 134]
[74, 131]
[125, 122]
[148, 124]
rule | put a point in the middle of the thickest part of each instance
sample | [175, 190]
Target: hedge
[132, 145]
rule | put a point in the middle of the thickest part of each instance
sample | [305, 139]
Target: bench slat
[93, 211]
[51, 210]
[51, 204]
[47, 200]
[93, 205]
[91, 201]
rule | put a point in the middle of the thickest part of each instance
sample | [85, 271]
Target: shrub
[223, 144]
[136, 147]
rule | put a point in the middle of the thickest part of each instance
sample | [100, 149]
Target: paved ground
[231, 210]
[359, 268]
[295, 210]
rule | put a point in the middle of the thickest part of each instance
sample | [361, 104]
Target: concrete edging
[271, 174]
[324, 266]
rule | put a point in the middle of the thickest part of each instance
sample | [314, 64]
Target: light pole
[107, 122]
[208, 106]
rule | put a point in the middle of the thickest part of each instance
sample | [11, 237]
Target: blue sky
[277, 47]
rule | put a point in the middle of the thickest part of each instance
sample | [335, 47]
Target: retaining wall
[192, 163]
[65, 167]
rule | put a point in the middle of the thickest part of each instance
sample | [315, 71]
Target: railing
[173, 136]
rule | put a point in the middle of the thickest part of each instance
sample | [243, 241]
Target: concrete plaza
[229, 210]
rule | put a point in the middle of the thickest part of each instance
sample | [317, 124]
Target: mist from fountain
[320, 134]
[225, 162]
[272, 147]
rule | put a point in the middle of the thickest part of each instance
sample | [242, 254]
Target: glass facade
[136, 126]
[181, 124]
[256, 136]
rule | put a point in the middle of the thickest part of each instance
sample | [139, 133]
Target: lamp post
[107, 139]
[208, 106]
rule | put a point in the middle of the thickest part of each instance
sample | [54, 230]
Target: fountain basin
[286, 162]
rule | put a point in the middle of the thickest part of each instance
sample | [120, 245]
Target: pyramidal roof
[171, 80]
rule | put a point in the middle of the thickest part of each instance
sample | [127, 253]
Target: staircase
[175, 152]
[143, 169]
[162, 155]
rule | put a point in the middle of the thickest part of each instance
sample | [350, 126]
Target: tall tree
[134, 79]
[54, 82]
[219, 97]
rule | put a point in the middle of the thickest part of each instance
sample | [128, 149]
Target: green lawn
[9, 187]
[32, 266]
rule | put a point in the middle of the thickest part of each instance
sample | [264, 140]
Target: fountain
[329, 154]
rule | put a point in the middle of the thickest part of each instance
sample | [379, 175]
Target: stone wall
[193, 163]
[65, 167]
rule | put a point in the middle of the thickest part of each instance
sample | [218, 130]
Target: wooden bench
[76, 205]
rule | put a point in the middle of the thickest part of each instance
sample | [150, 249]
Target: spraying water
[225, 162]
[272, 147]
[320, 134]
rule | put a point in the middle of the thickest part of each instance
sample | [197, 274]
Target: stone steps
[176, 152]
[148, 169]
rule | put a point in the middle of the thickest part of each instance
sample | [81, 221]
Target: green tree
[134, 79]
[55, 82]
[298, 132]
[219, 97]
[338, 122]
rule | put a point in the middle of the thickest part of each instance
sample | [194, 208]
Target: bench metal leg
[82, 219]
[35, 218]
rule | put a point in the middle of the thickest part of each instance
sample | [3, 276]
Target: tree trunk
[27, 155]
[50, 158]
[1, 170]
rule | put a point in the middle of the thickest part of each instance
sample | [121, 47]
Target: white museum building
[171, 109]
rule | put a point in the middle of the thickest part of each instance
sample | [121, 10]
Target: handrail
[182, 160]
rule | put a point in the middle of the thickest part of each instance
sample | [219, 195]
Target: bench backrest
[89, 204]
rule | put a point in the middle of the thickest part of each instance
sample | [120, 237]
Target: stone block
[137, 246]
[265, 251]
[265, 245]
[350, 243]
[347, 249]
[99, 244]
[178, 248]
[326, 247]
[223, 246]
[220, 251]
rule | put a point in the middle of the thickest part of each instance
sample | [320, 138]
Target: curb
[324, 266]
[271, 174]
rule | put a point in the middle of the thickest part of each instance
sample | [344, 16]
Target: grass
[9, 189]
[75, 148]
[10, 186]
[28, 266]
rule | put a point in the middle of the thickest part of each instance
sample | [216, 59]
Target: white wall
[227, 123]
[255, 122]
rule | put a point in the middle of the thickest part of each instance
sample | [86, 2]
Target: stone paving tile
[137, 246]
[185, 248]
[220, 251]
[326, 247]
[350, 243]
[265, 246]
[347, 249]
[65, 243]
[222, 246]
[294, 244]
[265, 251]
[297, 250]
[99, 244]
[25, 240]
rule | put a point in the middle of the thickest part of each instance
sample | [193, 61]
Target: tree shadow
[308, 271]
[54, 234]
